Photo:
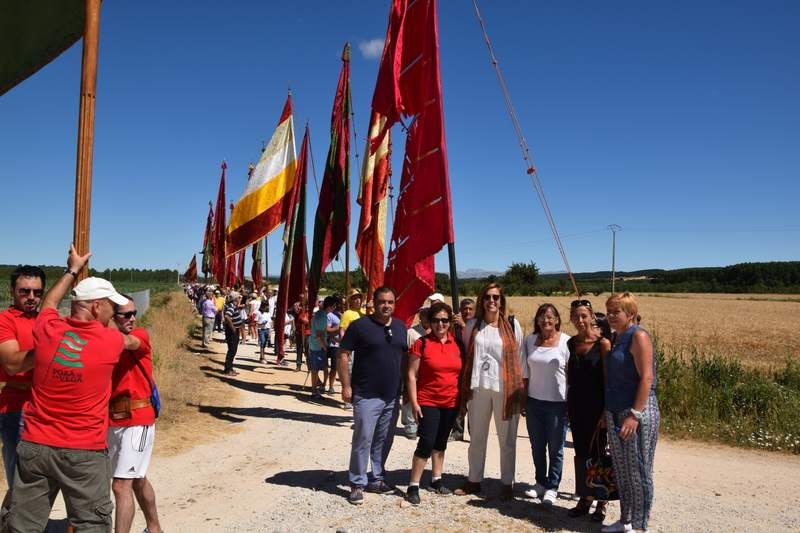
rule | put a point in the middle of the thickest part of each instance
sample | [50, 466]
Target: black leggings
[434, 429]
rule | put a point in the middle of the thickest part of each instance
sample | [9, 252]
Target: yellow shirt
[220, 302]
[349, 316]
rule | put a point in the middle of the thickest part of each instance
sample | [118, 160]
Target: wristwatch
[636, 414]
[68, 271]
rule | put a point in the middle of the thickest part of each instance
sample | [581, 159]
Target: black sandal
[581, 509]
[599, 513]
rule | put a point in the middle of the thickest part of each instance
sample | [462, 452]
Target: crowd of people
[78, 404]
[476, 365]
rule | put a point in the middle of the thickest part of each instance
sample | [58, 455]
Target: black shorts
[332, 351]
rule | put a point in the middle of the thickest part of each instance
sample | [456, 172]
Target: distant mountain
[472, 273]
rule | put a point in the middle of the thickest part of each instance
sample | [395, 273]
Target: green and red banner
[332, 220]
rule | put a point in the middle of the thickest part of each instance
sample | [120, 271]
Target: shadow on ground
[240, 414]
[335, 483]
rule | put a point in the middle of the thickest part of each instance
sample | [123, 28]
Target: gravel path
[286, 471]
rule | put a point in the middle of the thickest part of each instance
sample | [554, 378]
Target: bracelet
[68, 271]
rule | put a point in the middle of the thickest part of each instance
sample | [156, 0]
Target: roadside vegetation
[717, 398]
[179, 373]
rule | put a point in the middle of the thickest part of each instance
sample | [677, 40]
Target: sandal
[599, 513]
[581, 509]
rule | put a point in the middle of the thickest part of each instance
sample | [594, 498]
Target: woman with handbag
[586, 402]
[632, 414]
[492, 387]
[434, 370]
[544, 363]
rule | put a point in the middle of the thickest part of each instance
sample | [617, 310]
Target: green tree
[521, 278]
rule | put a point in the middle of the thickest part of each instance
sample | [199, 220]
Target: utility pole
[614, 229]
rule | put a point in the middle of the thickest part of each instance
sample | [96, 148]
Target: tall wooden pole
[83, 170]
[266, 264]
[347, 262]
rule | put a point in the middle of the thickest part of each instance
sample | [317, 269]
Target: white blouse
[545, 368]
[486, 366]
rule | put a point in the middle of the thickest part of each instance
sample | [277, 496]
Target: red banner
[410, 80]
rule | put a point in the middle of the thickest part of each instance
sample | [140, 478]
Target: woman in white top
[492, 385]
[544, 356]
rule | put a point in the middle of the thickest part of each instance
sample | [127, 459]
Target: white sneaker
[549, 497]
[617, 527]
[536, 492]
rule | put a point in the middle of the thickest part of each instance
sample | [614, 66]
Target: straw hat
[354, 292]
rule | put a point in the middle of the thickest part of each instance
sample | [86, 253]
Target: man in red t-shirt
[132, 429]
[63, 445]
[16, 336]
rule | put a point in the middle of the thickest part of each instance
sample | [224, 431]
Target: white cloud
[371, 49]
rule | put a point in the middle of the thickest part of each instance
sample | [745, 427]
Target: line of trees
[524, 279]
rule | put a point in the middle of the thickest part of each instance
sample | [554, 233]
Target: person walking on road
[380, 342]
[232, 318]
[209, 311]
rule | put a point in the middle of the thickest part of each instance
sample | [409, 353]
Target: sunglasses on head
[487, 297]
[127, 315]
[581, 303]
[25, 291]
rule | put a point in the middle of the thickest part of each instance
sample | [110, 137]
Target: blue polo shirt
[378, 352]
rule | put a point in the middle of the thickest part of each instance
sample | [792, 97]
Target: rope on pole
[526, 155]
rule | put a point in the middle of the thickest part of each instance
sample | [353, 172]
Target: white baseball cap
[436, 297]
[97, 289]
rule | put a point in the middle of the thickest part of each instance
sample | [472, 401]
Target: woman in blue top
[632, 414]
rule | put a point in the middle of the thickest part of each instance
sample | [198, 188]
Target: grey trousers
[374, 421]
[633, 464]
[208, 327]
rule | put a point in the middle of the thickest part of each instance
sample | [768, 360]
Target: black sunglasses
[25, 291]
[440, 320]
[581, 303]
[388, 331]
[128, 315]
[487, 297]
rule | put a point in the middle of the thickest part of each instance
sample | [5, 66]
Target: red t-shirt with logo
[129, 380]
[71, 382]
[439, 367]
[16, 325]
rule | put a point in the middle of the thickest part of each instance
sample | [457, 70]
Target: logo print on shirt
[69, 350]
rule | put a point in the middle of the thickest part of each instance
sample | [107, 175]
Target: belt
[139, 404]
[19, 385]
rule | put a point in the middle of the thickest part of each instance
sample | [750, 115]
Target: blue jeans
[10, 429]
[373, 434]
[547, 429]
[263, 338]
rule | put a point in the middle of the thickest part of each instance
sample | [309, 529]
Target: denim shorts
[318, 360]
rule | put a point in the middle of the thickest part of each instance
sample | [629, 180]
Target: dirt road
[285, 470]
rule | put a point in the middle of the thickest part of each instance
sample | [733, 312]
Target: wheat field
[759, 330]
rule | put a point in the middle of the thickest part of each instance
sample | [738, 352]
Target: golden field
[757, 329]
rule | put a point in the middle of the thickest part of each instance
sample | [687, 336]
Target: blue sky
[678, 121]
